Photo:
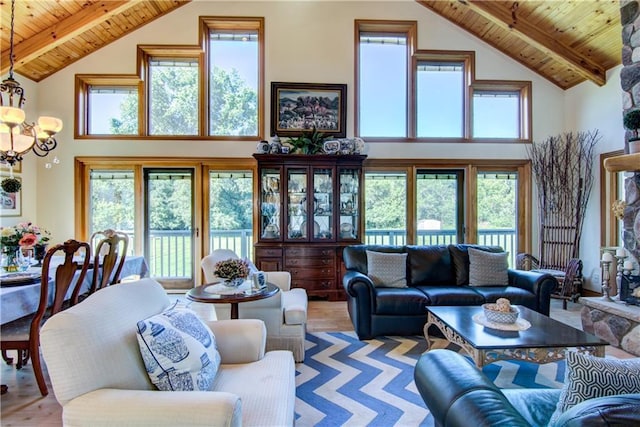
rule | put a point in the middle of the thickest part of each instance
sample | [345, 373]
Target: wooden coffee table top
[544, 331]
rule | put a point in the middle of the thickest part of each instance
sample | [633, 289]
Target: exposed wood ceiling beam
[501, 16]
[59, 33]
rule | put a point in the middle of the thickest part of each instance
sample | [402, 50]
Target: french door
[170, 234]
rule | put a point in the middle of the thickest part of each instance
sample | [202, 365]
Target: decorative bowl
[496, 316]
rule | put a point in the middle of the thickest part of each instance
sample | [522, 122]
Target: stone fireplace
[630, 82]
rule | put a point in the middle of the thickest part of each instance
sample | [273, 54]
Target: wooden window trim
[523, 87]
[198, 52]
[609, 188]
[409, 29]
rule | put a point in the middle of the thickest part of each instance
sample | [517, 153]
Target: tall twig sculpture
[563, 170]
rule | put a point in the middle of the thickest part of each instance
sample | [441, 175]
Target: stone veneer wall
[630, 82]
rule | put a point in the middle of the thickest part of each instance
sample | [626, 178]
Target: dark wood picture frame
[298, 107]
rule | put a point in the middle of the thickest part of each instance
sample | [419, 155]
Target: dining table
[19, 300]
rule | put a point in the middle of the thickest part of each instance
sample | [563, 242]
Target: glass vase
[11, 258]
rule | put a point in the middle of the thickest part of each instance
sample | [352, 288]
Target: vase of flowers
[24, 235]
[234, 271]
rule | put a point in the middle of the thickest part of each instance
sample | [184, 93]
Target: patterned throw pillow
[488, 268]
[588, 377]
[387, 270]
[179, 350]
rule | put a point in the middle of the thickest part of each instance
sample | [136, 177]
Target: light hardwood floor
[23, 406]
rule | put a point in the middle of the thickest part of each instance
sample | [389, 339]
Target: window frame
[139, 79]
[409, 28]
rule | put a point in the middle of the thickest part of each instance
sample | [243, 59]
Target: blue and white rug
[347, 382]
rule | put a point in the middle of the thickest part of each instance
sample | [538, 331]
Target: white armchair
[99, 378]
[284, 314]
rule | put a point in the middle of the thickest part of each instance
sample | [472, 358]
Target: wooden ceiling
[565, 41]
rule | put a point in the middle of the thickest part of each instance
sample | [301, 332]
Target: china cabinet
[309, 209]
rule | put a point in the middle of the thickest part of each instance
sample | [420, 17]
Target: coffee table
[545, 341]
[205, 294]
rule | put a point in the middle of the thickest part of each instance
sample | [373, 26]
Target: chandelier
[18, 136]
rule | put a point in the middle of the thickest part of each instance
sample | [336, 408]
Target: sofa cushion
[179, 350]
[407, 301]
[452, 295]
[488, 268]
[588, 377]
[460, 260]
[516, 296]
[429, 265]
[355, 256]
[388, 270]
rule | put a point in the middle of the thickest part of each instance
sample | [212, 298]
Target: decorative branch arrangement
[563, 170]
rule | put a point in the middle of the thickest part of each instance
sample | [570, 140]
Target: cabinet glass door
[323, 204]
[297, 205]
[349, 207]
[270, 204]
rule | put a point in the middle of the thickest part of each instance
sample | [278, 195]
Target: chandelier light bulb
[50, 125]
[12, 116]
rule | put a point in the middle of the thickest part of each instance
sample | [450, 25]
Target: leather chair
[284, 314]
[23, 334]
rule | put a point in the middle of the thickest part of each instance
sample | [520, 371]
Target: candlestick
[605, 277]
[607, 257]
[628, 265]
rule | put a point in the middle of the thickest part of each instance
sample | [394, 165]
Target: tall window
[385, 208]
[497, 211]
[440, 88]
[233, 82]
[439, 207]
[173, 96]
[231, 211]
[383, 85]
[111, 195]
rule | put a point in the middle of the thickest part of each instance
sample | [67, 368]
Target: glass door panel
[169, 224]
[385, 208]
[231, 212]
[323, 204]
[498, 211]
[270, 204]
[439, 211]
[297, 205]
[349, 205]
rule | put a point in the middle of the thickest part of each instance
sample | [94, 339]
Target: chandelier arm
[42, 147]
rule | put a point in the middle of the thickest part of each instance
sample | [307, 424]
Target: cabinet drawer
[268, 252]
[310, 252]
[322, 284]
[309, 262]
[298, 273]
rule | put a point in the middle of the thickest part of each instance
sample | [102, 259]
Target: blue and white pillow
[588, 377]
[179, 351]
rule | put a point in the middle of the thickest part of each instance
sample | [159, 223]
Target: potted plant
[309, 142]
[631, 122]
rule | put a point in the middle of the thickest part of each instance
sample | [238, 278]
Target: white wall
[589, 107]
[308, 41]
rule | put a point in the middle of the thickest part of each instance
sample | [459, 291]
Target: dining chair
[109, 254]
[63, 281]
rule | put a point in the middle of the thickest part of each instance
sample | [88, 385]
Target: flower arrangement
[618, 208]
[25, 234]
[233, 268]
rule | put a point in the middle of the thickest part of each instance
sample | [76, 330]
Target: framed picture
[298, 107]
[11, 203]
[4, 167]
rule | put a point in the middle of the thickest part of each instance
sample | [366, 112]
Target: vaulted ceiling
[566, 42]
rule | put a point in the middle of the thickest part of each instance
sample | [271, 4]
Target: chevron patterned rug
[347, 382]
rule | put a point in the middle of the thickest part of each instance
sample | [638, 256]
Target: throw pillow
[387, 270]
[588, 377]
[488, 268]
[179, 350]
[460, 260]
